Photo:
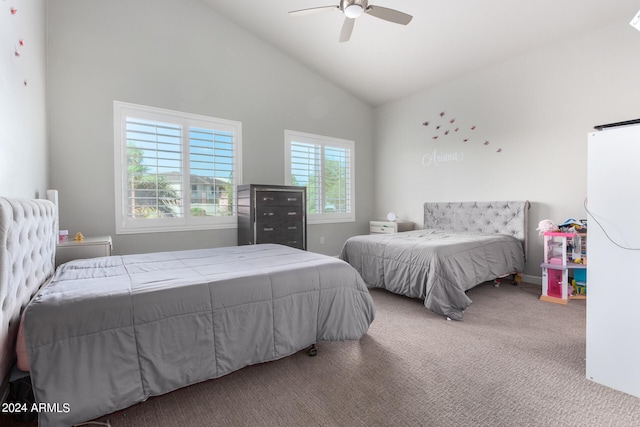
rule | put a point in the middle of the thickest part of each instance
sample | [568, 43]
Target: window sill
[141, 230]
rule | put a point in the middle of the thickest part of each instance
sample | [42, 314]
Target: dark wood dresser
[272, 214]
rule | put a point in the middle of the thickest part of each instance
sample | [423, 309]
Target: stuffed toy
[546, 225]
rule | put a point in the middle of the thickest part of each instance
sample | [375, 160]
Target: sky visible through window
[159, 145]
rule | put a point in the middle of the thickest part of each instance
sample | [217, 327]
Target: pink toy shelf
[562, 252]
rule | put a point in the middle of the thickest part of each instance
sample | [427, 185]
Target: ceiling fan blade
[312, 10]
[347, 29]
[390, 15]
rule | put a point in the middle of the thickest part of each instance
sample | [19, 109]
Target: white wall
[182, 55]
[23, 124]
[538, 108]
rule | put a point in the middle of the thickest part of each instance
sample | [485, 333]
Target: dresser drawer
[278, 198]
[283, 213]
[381, 229]
[286, 234]
[278, 226]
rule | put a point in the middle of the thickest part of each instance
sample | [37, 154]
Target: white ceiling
[384, 61]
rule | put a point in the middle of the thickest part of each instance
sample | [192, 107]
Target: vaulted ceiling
[385, 61]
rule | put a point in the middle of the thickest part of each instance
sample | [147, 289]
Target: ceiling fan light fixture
[353, 11]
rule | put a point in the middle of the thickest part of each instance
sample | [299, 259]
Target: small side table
[389, 227]
[90, 247]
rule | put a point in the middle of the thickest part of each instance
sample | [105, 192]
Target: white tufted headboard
[28, 236]
[509, 217]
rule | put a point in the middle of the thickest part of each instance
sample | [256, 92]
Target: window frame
[126, 225]
[291, 136]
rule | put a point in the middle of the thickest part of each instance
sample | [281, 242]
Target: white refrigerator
[613, 257]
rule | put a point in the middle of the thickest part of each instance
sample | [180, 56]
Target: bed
[462, 245]
[105, 333]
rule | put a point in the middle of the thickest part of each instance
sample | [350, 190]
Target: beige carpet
[512, 361]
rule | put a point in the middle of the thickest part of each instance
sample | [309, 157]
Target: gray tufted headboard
[509, 217]
[28, 236]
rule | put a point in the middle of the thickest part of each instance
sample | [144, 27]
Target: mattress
[110, 332]
[435, 265]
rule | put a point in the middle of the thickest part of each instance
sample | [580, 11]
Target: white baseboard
[535, 280]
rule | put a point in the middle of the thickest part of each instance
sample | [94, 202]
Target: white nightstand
[90, 247]
[389, 227]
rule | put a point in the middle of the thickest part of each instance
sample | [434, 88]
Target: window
[174, 171]
[326, 167]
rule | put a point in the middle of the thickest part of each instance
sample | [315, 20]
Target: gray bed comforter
[436, 266]
[110, 332]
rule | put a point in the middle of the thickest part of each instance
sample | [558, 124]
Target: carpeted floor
[512, 361]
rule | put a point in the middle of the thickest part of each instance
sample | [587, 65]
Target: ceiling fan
[352, 9]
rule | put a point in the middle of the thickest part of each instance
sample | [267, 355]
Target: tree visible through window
[153, 154]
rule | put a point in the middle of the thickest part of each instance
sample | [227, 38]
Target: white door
[613, 259]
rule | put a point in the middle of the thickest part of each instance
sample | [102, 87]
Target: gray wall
[181, 55]
[536, 107]
[24, 162]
